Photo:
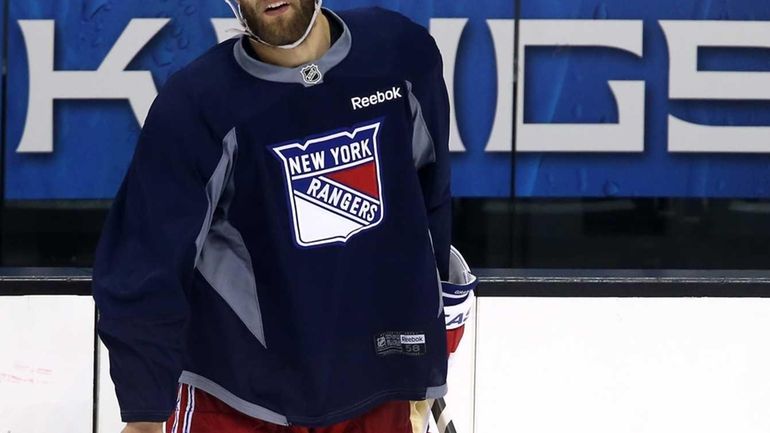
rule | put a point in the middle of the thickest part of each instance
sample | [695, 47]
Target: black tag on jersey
[400, 343]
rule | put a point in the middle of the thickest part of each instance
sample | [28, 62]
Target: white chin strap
[236, 8]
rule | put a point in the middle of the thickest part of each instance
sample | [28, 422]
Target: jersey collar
[265, 71]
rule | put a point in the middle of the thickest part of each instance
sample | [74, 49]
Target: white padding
[608, 365]
[46, 364]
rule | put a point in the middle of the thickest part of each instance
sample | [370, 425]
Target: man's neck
[313, 48]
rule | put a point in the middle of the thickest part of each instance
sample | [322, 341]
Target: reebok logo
[413, 339]
[376, 98]
[400, 343]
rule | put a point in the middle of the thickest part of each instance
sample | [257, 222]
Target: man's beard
[284, 30]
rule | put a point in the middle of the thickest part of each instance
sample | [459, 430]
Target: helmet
[235, 6]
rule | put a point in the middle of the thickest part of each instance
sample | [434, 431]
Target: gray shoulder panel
[214, 190]
[423, 150]
[224, 261]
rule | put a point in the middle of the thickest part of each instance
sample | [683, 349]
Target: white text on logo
[377, 98]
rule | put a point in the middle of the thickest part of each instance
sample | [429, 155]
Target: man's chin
[278, 41]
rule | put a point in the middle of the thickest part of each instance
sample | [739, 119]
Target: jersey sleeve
[145, 256]
[430, 113]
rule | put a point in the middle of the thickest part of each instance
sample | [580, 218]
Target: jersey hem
[230, 399]
[350, 412]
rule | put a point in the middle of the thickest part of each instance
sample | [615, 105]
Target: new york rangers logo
[333, 185]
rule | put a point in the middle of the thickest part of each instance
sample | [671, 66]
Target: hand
[143, 427]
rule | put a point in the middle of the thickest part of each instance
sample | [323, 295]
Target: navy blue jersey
[281, 234]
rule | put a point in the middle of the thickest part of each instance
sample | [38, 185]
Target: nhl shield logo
[333, 185]
[311, 74]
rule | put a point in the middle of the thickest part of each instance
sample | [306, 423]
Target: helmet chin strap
[235, 6]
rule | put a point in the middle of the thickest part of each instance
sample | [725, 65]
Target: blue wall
[94, 139]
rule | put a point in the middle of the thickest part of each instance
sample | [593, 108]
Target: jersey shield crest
[333, 185]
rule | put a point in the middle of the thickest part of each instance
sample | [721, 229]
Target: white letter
[313, 188]
[447, 32]
[501, 138]
[222, 27]
[625, 136]
[686, 82]
[110, 81]
[319, 160]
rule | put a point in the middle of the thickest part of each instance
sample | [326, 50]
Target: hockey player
[277, 245]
